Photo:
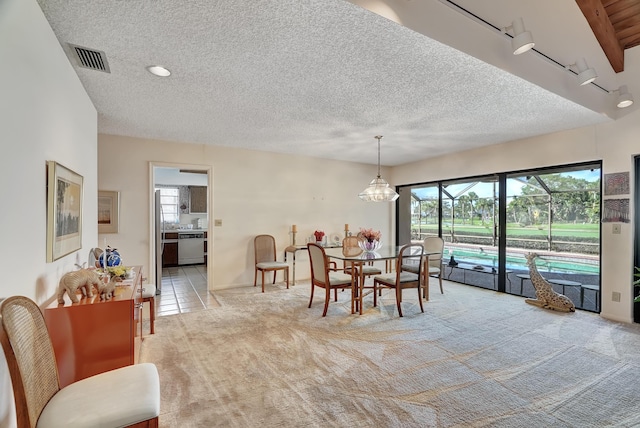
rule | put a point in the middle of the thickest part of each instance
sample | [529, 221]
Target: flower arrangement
[319, 235]
[370, 235]
[118, 272]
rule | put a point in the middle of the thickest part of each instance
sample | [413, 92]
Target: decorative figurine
[107, 290]
[547, 297]
[81, 279]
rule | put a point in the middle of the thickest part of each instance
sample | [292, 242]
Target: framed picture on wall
[616, 183]
[64, 211]
[108, 211]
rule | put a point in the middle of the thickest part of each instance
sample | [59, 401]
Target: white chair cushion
[410, 268]
[148, 290]
[368, 270]
[390, 278]
[414, 268]
[116, 398]
[271, 265]
[434, 270]
[339, 278]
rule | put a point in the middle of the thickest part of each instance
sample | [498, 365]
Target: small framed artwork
[108, 211]
[616, 211]
[64, 211]
[616, 183]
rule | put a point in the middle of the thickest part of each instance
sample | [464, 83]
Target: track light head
[522, 40]
[625, 99]
[586, 75]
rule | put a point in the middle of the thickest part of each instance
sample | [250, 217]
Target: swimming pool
[563, 265]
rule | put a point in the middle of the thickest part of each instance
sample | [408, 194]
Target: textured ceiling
[310, 77]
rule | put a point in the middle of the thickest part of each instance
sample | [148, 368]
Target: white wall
[615, 143]
[252, 193]
[45, 114]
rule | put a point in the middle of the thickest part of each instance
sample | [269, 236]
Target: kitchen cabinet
[94, 336]
[170, 254]
[197, 199]
[170, 250]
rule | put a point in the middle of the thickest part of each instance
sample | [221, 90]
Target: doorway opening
[181, 237]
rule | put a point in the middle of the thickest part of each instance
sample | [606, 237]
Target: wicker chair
[322, 276]
[265, 258]
[125, 397]
[401, 279]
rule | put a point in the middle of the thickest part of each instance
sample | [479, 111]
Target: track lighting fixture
[625, 99]
[586, 75]
[522, 40]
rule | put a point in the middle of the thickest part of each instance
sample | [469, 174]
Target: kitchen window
[169, 200]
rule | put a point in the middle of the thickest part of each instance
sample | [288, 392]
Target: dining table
[386, 253]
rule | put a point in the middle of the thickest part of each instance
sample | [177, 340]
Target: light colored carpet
[475, 358]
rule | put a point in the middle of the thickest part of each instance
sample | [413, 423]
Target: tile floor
[184, 289]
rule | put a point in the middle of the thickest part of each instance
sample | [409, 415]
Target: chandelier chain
[378, 137]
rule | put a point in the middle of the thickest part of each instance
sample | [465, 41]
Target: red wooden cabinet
[94, 336]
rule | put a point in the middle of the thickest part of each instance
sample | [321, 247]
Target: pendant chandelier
[378, 190]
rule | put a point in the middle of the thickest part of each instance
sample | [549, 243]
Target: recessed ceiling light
[158, 71]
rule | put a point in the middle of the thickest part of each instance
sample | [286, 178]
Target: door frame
[210, 222]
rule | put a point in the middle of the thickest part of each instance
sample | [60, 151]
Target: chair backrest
[434, 244]
[410, 254]
[30, 357]
[265, 248]
[319, 264]
[350, 248]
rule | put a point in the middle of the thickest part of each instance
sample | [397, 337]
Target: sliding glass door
[490, 223]
[470, 230]
[556, 214]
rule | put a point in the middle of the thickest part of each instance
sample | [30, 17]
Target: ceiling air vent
[90, 58]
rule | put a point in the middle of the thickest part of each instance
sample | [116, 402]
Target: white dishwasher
[190, 248]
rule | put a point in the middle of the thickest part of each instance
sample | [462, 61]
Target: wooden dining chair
[402, 279]
[124, 397]
[322, 276]
[433, 266]
[265, 259]
[434, 245]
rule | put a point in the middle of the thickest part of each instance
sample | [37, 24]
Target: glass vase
[369, 246]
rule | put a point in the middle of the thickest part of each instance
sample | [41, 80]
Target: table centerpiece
[370, 240]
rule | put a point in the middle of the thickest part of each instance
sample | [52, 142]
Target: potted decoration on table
[319, 236]
[370, 239]
[119, 273]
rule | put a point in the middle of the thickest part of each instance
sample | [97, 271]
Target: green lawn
[558, 230]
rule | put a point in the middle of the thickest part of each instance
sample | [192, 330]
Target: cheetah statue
[82, 279]
[546, 297]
